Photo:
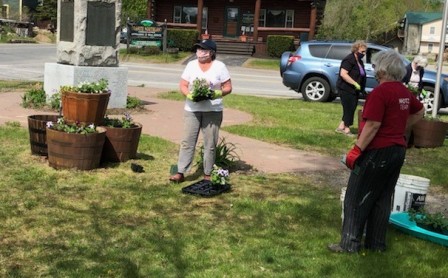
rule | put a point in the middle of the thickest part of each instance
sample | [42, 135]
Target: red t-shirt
[390, 103]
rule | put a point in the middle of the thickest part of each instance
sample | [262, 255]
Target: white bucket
[343, 189]
[410, 192]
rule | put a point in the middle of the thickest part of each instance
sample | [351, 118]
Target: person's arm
[226, 87]
[346, 77]
[184, 87]
[413, 118]
[420, 82]
[368, 133]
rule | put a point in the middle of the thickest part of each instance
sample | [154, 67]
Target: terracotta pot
[37, 127]
[121, 143]
[72, 150]
[84, 108]
[429, 133]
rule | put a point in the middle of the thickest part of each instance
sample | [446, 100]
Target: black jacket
[349, 63]
[407, 77]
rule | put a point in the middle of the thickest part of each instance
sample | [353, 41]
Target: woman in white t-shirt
[415, 71]
[205, 115]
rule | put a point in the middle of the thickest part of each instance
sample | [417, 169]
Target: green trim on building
[420, 18]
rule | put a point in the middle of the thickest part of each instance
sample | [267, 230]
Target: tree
[135, 10]
[368, 19]
[47, 12]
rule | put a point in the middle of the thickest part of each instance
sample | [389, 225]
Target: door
[231, 22]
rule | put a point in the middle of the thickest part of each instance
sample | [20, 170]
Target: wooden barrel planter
[72, 150]
[429, 133]
[84, 108]
[37, 125]
[121, 143]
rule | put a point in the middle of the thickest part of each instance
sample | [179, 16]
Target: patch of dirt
[436, 199]
[42, 38]
[121, 111]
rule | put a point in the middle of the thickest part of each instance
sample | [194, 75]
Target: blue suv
[313, 70]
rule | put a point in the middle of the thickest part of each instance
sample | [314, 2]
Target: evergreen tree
[48, 11]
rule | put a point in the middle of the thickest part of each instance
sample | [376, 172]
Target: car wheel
[315, 89]
[428, 100]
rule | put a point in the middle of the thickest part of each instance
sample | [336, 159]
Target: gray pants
[207, 122]
[368, 198]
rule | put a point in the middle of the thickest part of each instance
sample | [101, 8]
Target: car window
[339, 52]
[370, 53]
[319, 50]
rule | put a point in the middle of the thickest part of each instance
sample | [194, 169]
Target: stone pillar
[87, 48]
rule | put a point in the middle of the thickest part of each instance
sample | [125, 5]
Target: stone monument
[87, 48]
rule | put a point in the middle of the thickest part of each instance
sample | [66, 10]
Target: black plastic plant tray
[205, 188]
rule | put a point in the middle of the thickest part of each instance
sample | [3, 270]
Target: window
[319, 50]
[276, 18]
[188, 14]
[432, 30]
[430, 46]
[5, 11]
[339, 52]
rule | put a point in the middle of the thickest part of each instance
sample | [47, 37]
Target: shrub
[34, 98]
[133, 102]
[182, 39]
[55, 101]
[276, 45]
[150, 50]
[226, 156]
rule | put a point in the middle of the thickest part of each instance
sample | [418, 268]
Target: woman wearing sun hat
[205, 115]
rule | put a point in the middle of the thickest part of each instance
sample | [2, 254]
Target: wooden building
[241, 20]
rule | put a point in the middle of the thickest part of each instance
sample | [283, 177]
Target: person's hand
[352, 156]
[217, 94]
[357, 86]
[190, 96]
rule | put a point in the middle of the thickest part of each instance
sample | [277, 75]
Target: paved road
[27, 62]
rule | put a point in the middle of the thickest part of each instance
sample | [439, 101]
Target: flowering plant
[61, 125]
[87, 87]
[414, 90]
[201, 90]
[219, 176]
[125, 122]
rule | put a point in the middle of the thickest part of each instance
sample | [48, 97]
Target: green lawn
[310, 126]
[112, 222]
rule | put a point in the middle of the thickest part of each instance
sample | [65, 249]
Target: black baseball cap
[205, 44]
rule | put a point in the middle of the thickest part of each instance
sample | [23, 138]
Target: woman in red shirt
[377, 157]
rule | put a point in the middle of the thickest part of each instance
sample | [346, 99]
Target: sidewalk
[164, 119]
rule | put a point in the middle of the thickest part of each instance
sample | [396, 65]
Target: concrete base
[57, 75]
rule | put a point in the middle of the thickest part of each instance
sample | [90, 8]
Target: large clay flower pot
[429, 133]
[37, 127]
[84, 108]
[121, 143]
[72, 150]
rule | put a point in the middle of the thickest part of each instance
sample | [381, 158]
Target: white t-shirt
[415, 78]
[215, 75]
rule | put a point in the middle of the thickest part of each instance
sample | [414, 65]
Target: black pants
[368, 198]
[349, 103]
